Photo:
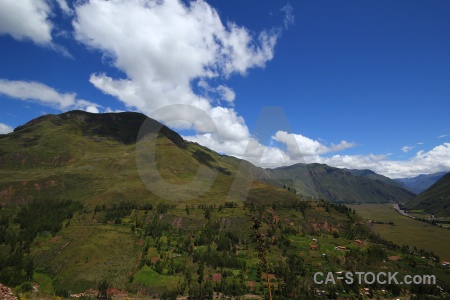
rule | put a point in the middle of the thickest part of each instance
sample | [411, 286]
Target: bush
[26, 287]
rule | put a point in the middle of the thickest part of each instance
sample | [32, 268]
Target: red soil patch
[216, 277]
[55, 239]
[394, 258]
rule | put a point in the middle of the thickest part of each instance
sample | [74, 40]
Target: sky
[352, 84]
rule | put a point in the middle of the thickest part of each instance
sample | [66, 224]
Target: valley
[406, 231]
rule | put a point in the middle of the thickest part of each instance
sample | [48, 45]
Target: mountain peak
[123, 126]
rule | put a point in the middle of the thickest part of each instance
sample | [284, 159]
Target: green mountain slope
[93, 158]
[115, 197]
[434, 200]
[341, 185]
[372, 175]
[420, 183]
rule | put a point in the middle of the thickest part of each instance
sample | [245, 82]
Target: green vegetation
[435, 200]
[406, 231]
[77, 217]
[340, 185]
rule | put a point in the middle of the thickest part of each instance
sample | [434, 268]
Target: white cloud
[406, 149]
[92, 109]
[65, 7]
[435, 160]
[26, 19]
[43, 94]
[163, 46]
[443, 136]
[301, 146]
[226, 93]
[289, 18]
[4, 129]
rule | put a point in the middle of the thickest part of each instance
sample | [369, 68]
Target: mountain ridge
[83, 128]
[434, 200]
[421, 182]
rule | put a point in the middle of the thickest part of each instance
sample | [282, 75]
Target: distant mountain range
[422, 182]
[341, 185]
[435, 199]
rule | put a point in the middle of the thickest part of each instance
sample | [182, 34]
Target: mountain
[420, 183]
[106, 164]
[89, 201]
[434, 200]
[59, 153]
[375, 176]
[341, 185]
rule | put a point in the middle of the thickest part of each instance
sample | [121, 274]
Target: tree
[208, 214]
[259, 239]
[29, 267]
[200, 271]
[103, 287]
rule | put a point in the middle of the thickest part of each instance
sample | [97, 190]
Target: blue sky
[360, 84]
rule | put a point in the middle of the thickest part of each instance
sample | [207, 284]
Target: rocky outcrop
[6, 293]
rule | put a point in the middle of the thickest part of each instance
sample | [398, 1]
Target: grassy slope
[339, 185]
[70, 160]
[435, 199]
[422, 182]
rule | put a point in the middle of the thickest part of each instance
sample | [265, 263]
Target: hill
[96, 200]
[341, 185]
[420, 183]
[375, 176]
[434, 200]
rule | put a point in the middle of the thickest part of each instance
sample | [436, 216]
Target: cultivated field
[406, 231]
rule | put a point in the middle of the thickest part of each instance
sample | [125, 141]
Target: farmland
[406, 231]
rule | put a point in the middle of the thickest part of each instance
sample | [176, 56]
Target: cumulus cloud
[435, 160]
[4, 129]
[163, 47]
[44, 95]
[26, 19]
[300, 146]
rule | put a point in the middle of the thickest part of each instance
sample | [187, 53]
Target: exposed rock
[6, 293]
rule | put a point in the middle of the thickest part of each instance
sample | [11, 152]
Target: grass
[85, 255]
[45, 283]
[150, 277]
[406, 231]
[99, 170]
